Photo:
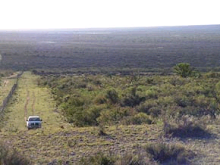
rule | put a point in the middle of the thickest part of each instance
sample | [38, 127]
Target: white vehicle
[33, 122]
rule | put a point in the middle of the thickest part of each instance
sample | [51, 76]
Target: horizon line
[100, 28]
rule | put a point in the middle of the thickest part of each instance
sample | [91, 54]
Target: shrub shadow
[195, 132]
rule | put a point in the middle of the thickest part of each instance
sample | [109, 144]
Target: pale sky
[55, 14]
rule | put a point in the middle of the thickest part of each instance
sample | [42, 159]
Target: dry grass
[58, 141]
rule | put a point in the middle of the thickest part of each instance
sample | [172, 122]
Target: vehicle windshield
[34, 119]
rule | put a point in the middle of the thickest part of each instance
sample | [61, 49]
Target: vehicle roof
[33, 117]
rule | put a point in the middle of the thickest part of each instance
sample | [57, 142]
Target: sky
[57, 14]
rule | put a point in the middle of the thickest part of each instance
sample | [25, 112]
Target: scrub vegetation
[179, 106]
[91, 100]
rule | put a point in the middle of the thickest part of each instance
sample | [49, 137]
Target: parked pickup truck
[33, 122]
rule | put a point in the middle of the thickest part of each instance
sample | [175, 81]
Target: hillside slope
[57, 141]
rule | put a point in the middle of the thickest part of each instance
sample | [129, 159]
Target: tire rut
[25, 106]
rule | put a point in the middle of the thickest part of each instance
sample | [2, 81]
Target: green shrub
[183, 101]
[155, 111]
[85, 117]
[132, 99]
[146, 106]
[151, 94]
[183, 69]
[113, 116]
[112, 96]
[166, 101]
[167, 89]
[100, 99]
[140, 118]
[196, 74]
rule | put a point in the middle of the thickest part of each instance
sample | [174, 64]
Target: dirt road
[28, 99]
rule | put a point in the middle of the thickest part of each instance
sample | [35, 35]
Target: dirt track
[31, 100]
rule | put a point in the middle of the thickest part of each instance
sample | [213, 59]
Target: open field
[143, 48]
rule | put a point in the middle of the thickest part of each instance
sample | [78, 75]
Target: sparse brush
[134, 159]
[185, 128]
[9, 156]
[140, 118]
[98, 159]
[168, 153]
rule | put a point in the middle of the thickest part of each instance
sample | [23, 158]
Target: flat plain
[111, 49]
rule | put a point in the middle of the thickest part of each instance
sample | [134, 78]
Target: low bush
[100, 99]
[146, 106]
[185, 128]
[185, 70]
[151, 94]
[112, 96]
[140, 118]
[113, 116]
[132, 99]
[168, 153]
[182, 101]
